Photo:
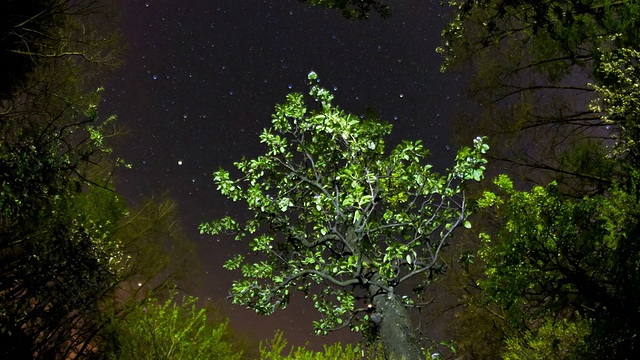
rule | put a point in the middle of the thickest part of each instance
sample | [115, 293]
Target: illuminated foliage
[557, 257]
[333, 208]
[171, 330]
[273, 350]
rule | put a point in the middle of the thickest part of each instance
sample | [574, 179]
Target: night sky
[201, 79]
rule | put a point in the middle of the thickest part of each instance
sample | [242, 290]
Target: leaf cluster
[170, 330]
[273, 350]
[568, 32]
[561, 261]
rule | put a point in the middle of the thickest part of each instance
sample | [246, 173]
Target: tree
[65, 236]
[170, 330]
[56, 259]
[574, 32]
[34, 33]
[532, 64]
[558, 269]
[553, 339]
[332, 208]
[557, 80]
[619, 100]
[67, 242]
[563, 265]
[154, 254]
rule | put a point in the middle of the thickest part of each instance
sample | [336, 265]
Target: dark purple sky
[201, 79]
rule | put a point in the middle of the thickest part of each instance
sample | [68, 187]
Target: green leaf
[409, 259]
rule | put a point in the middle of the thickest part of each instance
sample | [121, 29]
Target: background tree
[155, 254]
[566, 267]
[619, 100]
[332, 207]
[35, 33]
[559, 269]
[66, 239]
[171, 330]
[555, 80]
[533, 63]
[56, 260]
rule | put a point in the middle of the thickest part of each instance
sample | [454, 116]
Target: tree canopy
[535, 68]
[572, 263]
[558, 81]
[332, 207]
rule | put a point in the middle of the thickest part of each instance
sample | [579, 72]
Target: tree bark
[396, 332]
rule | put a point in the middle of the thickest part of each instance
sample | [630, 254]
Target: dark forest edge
[555, 249]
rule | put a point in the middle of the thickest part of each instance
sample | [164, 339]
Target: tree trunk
[396, 331]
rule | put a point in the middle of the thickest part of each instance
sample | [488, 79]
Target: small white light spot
[179, 162]
[139, 284]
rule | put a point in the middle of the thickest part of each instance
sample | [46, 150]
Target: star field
[201, 79]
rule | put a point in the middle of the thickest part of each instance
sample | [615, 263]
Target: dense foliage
[56, 259]
[558, 80]
[566, 262]
[536, 66]
[171, 330]
[273, 350]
